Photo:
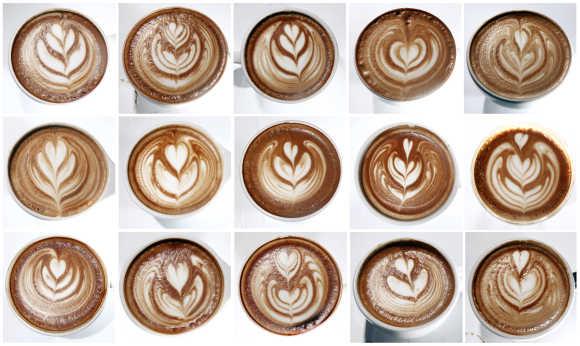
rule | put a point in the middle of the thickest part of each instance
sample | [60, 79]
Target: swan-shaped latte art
[405, 54]
[291, 286]
[289, 56]
[520, 55]
[175, 169]
[173, 286]
[58, 171]
[175, 55]
[59, 56]
[524, 288]
[58, 284]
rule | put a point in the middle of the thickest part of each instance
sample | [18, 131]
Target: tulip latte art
[290, 285]
[522, 175]
[406, 283]
[175, 55]
[521, 288]
[291, 170]
[57, 284]
[175, 169]
[289, 56]
[173, 286]
[407, 172]
[405, 54]
[519, 56]
[59, 56]
[57, 171]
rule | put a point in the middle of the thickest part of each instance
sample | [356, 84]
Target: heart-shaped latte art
[177, 275]
[57, 267]
[521, 139]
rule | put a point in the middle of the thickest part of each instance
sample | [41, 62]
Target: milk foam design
[519, 182]
[409, 287]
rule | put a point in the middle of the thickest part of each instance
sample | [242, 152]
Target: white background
[332, 99]
[362, 100]
[333, 331]
[479, 244]
[216, 214]
[218, 100]
[99, 101]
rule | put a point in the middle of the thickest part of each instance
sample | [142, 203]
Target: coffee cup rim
[219, 148]
[400, 222]
[419, 97]
[304, 12]
[508, 100]
[551, 136]
[41, 13]
[108, 177]
[425, 326]
[247, 193]
[289, 237]
[498, 245]
[179, 237]
[154, 13]
[37, 329]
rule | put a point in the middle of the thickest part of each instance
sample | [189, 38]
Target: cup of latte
[289, 56]
[175, 170]
[517, 57]
[57, 171]
[406, 287]
[57, 285]
[174, 285]
[521, 290]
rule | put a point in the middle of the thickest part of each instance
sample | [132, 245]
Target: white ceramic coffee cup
[82, 330]
[498, 335]
[224, 267]
[407, 332]
[109, 185]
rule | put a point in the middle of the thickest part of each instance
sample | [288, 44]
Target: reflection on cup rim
[222, 265]
[498, 332]
[307, 14]
[546, 132]
[36, 328]
[249, 197]
[108, 180]
[418, 330]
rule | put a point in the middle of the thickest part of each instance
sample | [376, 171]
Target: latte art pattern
[407, 172]
[521, 288]
[406, 284]
[524, 173]
[289, 56]
[175, 169]
[519, 56]
[59, 56]
[291, 170]
[175, 55]
[289, 286]
[57, 284]
[173, 286]
[57, 171]
[405, 54]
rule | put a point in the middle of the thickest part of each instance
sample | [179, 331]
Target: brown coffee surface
[407, 172]
[175, 55]
[173, 286]
[519, 56]
[59, 56]
[289, 56]
[405, 54]
[57, 284]
[522, 175]
[291, 170]
[175, 169]
[405, 283]
[521, 288]
[290, 285]
[57, 171]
